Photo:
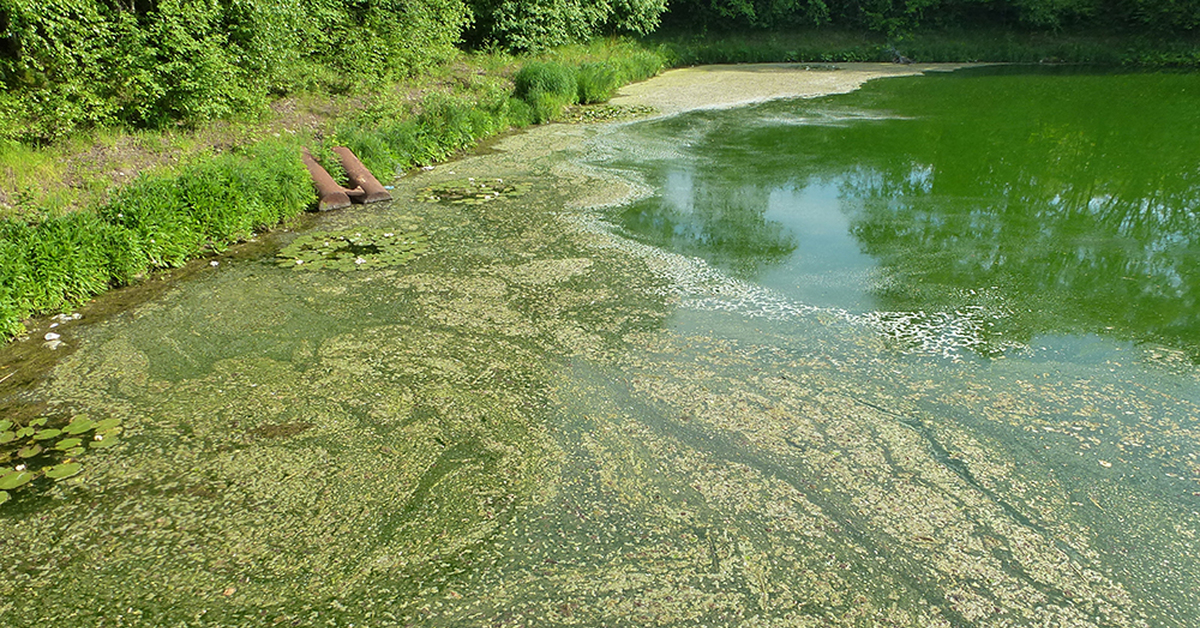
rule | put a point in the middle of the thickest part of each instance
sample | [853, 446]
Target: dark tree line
[897, 16]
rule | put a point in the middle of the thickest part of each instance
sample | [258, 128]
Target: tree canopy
[67, 64]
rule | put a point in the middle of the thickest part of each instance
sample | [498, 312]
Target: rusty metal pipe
[332, 195]
[362, 178]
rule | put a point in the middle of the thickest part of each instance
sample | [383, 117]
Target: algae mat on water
[540, 422]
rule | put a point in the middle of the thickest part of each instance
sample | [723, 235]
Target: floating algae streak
[836, 370]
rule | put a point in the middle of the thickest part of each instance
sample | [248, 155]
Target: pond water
[921, 355]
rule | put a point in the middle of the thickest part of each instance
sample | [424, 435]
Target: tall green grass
[389, 137]
[159, 221]
[548, 87]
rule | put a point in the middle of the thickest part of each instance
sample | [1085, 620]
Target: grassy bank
[73, 232]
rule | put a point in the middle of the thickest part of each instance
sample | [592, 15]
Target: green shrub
[70, 64]
[639, 65]
[154, 214]
[519, 113]
[539, 25]
[547, 107]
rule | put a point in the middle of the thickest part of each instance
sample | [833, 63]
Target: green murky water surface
[922, 355]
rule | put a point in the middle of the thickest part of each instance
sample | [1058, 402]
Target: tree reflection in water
[1072, 196]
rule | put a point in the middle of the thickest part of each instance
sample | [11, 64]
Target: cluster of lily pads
[353, 250]
[607, 113]
[33, 451]
[472, 191]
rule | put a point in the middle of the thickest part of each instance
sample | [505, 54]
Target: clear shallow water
[543, 421]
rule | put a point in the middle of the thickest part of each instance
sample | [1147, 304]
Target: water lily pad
[25, 432]
[5, 425]
[473, 191]
[607, 113]
[68, 443]
[46, 434]
[352, 250]
[30, 451]
[7, 437]
[3, 496]
[79, 426]
[15, 479]
[64, 470]
[75, 451]
[38, 422]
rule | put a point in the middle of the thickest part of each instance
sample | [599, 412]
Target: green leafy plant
[353, 250]
[43, 449]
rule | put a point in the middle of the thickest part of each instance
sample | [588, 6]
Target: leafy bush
[69, 64]
[538, 25]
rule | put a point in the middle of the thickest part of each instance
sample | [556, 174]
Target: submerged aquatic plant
[353, 250]
[473, 191]
[35, 450]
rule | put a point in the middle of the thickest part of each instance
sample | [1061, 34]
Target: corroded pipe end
[331, 195]
[360, 177]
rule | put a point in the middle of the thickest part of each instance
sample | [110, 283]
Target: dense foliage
[72, 63]
[162, 220]
[895, 17]
[68, 64]
[539, 24]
